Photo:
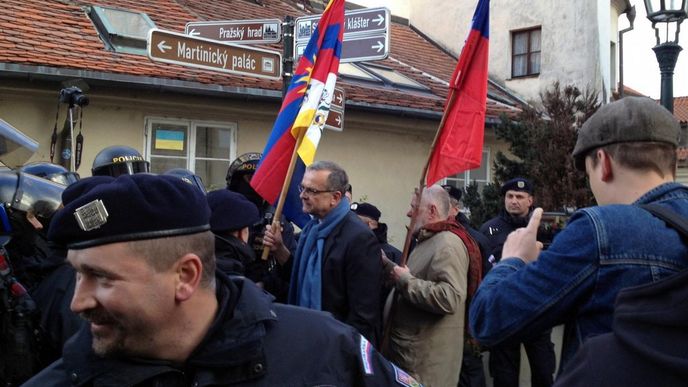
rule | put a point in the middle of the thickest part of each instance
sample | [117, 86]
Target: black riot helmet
[20, 191]
[239, 177]
[119, 160]
[53, 172]
[243, 165]
[188, 177]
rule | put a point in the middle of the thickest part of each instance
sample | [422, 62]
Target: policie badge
[521, 184]
[404, 379]
[92, 215]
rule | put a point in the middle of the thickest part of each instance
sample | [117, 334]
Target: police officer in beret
[370, 215]
[159, 313]
[505, 359]
[231, 217]
[269, 274]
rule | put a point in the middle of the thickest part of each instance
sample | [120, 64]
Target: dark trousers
[472, 372]
[505, 362]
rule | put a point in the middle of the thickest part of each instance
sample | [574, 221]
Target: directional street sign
[238, 31]
[366, 34]
[172, 47]
[335, 118]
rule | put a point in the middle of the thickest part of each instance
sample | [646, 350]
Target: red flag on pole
[459, 144]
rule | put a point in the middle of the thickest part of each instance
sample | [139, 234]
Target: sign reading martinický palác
[172, 47]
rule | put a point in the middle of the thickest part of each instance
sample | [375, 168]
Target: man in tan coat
[427, 322]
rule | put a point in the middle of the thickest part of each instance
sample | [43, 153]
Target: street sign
[335, 118]
[338, 99]
[176, 48]
[366, 34]
[238, 31]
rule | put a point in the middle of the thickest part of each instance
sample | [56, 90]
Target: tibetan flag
[304, 109]
[459, 144]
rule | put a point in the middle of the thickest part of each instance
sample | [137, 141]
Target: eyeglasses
[311, 191]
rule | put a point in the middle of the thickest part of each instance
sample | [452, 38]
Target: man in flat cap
[505, 358]
[159, 313]
[628, 151]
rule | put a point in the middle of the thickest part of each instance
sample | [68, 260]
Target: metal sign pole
[288, 57]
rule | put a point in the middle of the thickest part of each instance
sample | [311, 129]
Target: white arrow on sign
[379, 46]
[379, 19]
[193, 32]
[339, 120]
[162, 46]
[339, 98]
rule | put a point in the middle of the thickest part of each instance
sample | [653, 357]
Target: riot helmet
[27, 193]
[239, 176]
[188, 177]
[119, 160]
[53, 172]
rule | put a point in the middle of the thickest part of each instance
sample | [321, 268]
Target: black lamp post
[667, 12]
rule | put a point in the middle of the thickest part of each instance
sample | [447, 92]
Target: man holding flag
[337, 265]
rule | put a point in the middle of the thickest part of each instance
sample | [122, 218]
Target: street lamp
[667, 12]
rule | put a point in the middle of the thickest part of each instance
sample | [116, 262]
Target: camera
[73, 96]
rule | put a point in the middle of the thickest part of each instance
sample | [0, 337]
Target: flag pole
[285, 187]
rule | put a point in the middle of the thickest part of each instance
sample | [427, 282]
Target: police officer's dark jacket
[499, 227]
[253, 342]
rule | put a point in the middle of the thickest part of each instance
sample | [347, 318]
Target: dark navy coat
[253, 342]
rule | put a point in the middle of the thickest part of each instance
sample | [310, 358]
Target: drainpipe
[630, 14]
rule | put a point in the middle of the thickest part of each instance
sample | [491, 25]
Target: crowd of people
[141, 279]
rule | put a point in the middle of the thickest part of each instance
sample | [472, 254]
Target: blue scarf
[305, 288]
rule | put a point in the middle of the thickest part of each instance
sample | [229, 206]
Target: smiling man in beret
[158, 313]
[628, 151]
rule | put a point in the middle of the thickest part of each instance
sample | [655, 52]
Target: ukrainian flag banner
[303, 114]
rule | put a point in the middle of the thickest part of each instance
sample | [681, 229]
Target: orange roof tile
[681, 109]
[59, 34]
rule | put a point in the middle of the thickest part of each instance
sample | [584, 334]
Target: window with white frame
[480, 175]
[205, 148]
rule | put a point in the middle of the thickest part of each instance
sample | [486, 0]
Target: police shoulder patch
[366, 356]
[404, 379]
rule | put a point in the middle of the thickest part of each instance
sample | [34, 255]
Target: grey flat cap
[630, 119]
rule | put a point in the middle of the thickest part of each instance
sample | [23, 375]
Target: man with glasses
[337, 266]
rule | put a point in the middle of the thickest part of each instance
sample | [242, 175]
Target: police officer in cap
[505, 358]
[269, 274]
[160, 314]
[119, 160]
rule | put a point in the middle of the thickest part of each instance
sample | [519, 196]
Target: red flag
[459, 144]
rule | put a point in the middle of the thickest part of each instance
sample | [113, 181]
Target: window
[480, 175]
[122, 30]
[349, 70]
[205, 148]
[393, 77]
[525, 52]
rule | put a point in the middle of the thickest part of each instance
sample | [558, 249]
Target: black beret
[103, 209]
[517, 184]
[366, 209]
[454, 192]
[231, 211]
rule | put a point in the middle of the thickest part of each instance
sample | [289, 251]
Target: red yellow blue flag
[459, 144]
[304, 108]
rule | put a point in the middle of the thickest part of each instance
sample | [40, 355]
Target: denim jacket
[602, 250]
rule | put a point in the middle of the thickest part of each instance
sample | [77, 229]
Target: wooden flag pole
[285, 187]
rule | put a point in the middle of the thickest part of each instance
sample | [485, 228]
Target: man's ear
[189, 271]
[607, 172]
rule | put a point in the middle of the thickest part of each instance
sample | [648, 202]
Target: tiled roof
[681, 109]
[59, 34]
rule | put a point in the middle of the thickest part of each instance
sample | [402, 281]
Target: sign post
[185, 50]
